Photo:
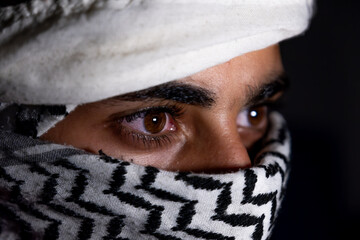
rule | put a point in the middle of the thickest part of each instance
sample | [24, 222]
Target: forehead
[237, 82]
[249, 70]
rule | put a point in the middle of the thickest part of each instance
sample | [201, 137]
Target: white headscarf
[67, 51]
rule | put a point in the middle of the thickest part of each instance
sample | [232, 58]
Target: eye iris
[154, 122]
[256, 116]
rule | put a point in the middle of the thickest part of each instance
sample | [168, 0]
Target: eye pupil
[256, 115]
[154, 122]
[253, 113]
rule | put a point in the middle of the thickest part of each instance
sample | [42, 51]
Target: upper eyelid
[269, 90]
[133, 116]
[136, 113]
[141, 113]
[265, 101]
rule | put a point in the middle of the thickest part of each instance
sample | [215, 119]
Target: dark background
[322, 109]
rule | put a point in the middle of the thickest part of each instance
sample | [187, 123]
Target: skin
[211, 139]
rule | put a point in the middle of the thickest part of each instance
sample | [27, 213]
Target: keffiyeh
[57, 52]
[51, 191]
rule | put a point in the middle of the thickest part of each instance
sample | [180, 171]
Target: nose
[218, 148]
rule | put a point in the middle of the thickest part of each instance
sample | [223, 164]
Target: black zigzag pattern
[16, 198]
[223, 201]
[54, 208]
[261, 199]
[273, 169]
[154, 211]
[81, 181]
[187, 211]
[47, 196]
[197, 182]
[48, 193]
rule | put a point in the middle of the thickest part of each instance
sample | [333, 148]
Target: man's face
[208, 122]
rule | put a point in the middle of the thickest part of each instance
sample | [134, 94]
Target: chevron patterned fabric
[50, 191]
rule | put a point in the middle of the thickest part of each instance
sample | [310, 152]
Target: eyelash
[270, 105]
[174, 110]
[162, 139]
[149, 141]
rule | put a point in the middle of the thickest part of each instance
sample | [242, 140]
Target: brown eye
[255, 117]
[150, 122]
[155, 122]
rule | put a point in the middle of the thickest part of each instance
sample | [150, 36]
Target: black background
[322, 109]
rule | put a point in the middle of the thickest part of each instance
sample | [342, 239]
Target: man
[109, 58]
[216, 115]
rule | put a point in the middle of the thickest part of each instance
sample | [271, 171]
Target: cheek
[164, 159]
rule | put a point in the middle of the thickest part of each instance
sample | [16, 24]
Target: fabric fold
[71, 194]
[58, 55]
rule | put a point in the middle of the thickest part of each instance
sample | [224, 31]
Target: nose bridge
[224, 147]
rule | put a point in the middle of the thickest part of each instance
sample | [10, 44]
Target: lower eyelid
[149, 141]
[137, 140]
[153, 141]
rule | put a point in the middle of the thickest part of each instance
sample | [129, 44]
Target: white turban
[67, 51]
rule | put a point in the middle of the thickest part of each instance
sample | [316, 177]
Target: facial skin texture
[207, 128]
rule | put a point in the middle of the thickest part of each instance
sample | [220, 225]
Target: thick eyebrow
[174, 91]
[268, 90]
[198, 96]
